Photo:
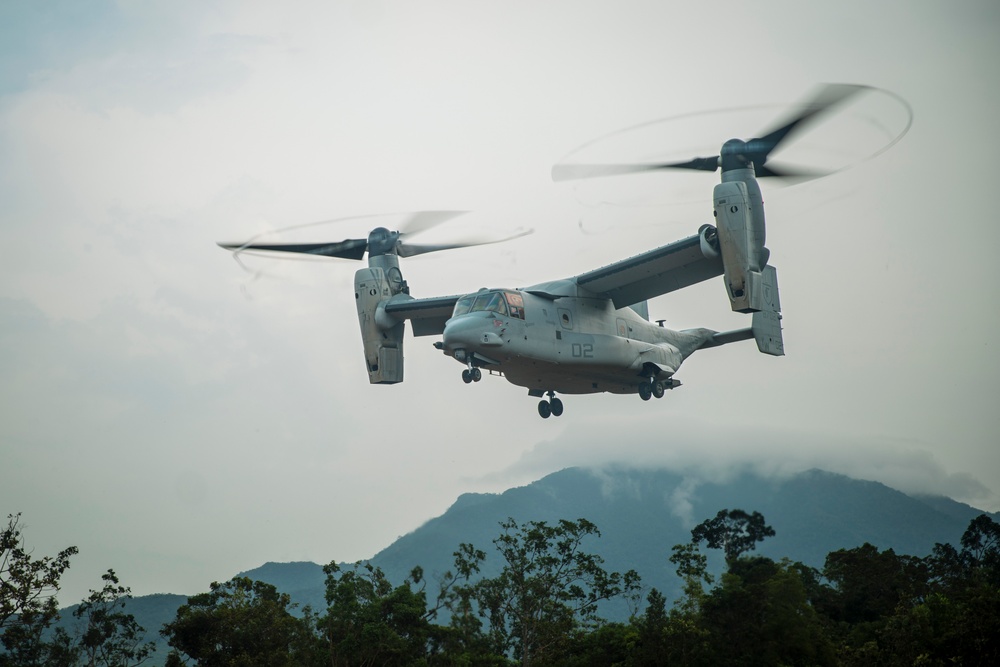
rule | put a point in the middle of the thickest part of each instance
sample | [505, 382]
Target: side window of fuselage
[516, 303]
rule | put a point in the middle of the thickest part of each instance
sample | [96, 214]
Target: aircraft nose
[462, 333]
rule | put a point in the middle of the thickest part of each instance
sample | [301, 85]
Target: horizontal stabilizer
[726, 337]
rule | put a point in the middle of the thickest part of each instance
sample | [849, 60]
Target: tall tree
[692, 567]
[963, 611]
[28, 585]
[371, 622]
[733, 531]
[760, 615]
[548, 588]
[111, 636]
[28, 605]
[240, 622]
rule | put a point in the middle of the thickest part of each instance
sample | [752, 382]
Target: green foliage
[30, 641]
[28, 585]
[111, 637]
[760, 615]
[900, 610]
[548, 589]
[866, 607]
[692, 567]
[733, 531]
[28, 604]
[241, 622]
[28, 608]
[371, 622]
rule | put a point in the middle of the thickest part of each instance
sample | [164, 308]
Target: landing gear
[553, 406]
[648, 390]
[645, 391]
[471, 375]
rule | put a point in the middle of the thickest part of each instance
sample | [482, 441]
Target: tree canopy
[865, 606]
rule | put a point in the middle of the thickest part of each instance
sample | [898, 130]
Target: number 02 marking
[585, 350]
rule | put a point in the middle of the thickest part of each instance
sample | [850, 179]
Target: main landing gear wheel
[553, 406]
[645, 391]
[658, 389]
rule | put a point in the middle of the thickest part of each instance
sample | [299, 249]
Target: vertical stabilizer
[642, 308]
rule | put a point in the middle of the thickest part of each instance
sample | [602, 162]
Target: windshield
[493, 301]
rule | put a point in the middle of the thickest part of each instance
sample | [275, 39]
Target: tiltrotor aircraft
[591, 332]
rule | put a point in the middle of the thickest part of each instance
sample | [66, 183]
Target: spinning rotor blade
[404, 249]
[825, 99]
[421, 221]
[789, 173]
[349, 249]
[735, 153]
[567, 172]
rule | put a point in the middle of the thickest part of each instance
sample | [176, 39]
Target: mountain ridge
[641, 514]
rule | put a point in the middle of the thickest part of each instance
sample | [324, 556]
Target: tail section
[642, 308]
[765, 327]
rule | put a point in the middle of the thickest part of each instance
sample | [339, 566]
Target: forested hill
[641, 515]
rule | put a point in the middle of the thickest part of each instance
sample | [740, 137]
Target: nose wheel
[553, 406]
[471, 375]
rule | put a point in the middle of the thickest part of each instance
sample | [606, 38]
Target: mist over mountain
[641, 514]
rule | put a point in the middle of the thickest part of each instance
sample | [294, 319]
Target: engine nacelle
[739, 217]
[383, 346]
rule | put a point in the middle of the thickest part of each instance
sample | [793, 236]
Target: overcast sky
[180, 418]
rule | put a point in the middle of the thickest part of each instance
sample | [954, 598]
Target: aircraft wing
[659, 271]
[427, 316]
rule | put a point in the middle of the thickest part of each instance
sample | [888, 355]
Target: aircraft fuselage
[572, 344]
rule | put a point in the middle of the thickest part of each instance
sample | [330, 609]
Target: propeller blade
[569, 172]
[404, 249]
[788, 173]
[698, 163]
[735, 153]
[828, 97]
[421, 221]
[349, 249]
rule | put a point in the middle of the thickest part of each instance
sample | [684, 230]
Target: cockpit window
[494, 302]
[482, 302]
[464, 305]
[497, 304]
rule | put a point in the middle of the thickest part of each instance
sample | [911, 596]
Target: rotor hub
[737, 154]
[382, 242]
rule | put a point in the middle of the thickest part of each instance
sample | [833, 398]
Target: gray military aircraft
[588, 333]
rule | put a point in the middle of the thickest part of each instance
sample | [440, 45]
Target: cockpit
[502, 302]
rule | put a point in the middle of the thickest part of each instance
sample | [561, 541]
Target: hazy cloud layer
[181, 419]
